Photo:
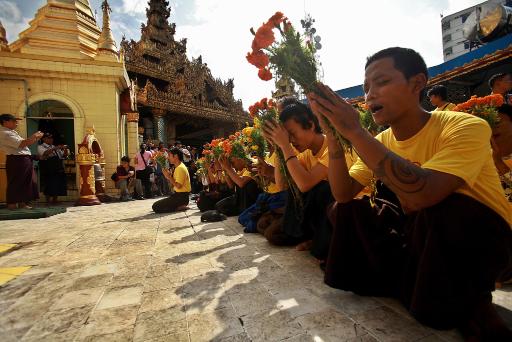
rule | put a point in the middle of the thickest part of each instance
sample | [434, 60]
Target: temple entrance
[50, 116]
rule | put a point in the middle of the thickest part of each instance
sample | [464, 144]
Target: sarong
[21, 179]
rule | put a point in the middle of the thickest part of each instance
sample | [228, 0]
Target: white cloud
[134, 6]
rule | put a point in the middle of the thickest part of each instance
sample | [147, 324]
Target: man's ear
[419, 82]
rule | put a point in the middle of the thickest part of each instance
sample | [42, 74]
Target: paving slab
[118, 272]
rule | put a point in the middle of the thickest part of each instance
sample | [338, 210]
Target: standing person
[51, 166]
[180, 181]
[21, 178]
[306, 227]
[442, 237]
[143, 170]
[438, 96]
[502, 84]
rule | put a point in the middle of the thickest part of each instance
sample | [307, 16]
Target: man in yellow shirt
[438, 96]
[180, 182]
[306, 227]
[272, 198]
[441, 237]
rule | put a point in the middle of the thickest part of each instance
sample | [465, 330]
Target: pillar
[85, 161]
[171, 132]
[132, 132]
[159, 124]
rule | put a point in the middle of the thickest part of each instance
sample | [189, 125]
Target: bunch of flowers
[366, 118]
[217, 148]
[293, 56]
[207, 152]
[202, 166]
[161, 159]
[484, 107]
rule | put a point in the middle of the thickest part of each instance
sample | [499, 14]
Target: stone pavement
[118, 272]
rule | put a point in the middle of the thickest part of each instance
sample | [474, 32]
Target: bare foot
[304, 246]
[24, 206]
[182, 208]
[12, 206]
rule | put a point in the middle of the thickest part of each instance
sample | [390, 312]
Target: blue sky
[219, 31]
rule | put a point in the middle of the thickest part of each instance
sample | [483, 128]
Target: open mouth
[375, 108]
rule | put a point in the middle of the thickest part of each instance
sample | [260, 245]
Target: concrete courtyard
[118, 272]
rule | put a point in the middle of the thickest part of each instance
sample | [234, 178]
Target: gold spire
[3, 39]
[106, 41]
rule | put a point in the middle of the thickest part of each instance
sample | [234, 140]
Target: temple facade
[177, 98]
[64, 75]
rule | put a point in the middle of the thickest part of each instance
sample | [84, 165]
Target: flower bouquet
[366, 119]
[484, 107]
[161, 159]
[207, 153]
[293, 56]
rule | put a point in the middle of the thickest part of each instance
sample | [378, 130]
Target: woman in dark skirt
[51, 166]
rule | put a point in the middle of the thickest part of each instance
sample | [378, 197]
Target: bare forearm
[343, 187]
[278, 176]
[299, 174]
[415, 186]
[27, 142]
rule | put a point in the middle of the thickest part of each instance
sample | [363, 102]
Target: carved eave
[3, 39]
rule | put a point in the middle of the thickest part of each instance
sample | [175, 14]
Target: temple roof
[64, 28]
[167, 79]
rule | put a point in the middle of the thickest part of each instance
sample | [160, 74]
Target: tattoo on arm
[336, 155]
[401, 174]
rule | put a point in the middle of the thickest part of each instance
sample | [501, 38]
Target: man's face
[502, 135]
[388, 93]
[48, 140]
[435, 100]
[125, 164]
[300, 138]
[173, 158]
[11, 124]
[504, 85]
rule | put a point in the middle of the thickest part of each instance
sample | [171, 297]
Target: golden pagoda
[63, 75]
[177, 98]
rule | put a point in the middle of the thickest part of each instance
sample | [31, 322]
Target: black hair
[4, 117]
[407, 61]
[506, 109]
[438, 90]
[143, 147]
[175, 151]
[496, 77]
[301, 113]
[287, 100]
[125, 159]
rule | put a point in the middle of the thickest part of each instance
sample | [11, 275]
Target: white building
[454, 42]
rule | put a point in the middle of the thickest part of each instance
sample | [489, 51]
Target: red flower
[258, 58]
[265, 74]
[276, 19]
[264, 37]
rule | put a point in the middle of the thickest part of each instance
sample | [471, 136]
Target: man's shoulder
[458, 120]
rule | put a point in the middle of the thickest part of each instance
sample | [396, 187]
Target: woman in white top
[53, 176]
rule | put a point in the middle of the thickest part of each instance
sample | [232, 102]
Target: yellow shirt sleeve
[361, 173]
[181, 176]
[464, 149]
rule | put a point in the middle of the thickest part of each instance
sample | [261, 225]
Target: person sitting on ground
[216, 190]
[306, 227]
[438, 96]
[271, 200]
[502, 84]
[239, 179]
[125, 180]
[180, 181]
[437, 234]
[21, 178]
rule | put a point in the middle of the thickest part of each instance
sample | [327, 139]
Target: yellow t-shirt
[454, 143]
[272, 187]
[244, 173]
[309, 160]
[181, 176]
[447, 107]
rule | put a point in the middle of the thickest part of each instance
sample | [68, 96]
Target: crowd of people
[421, 211]
[417, 212]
